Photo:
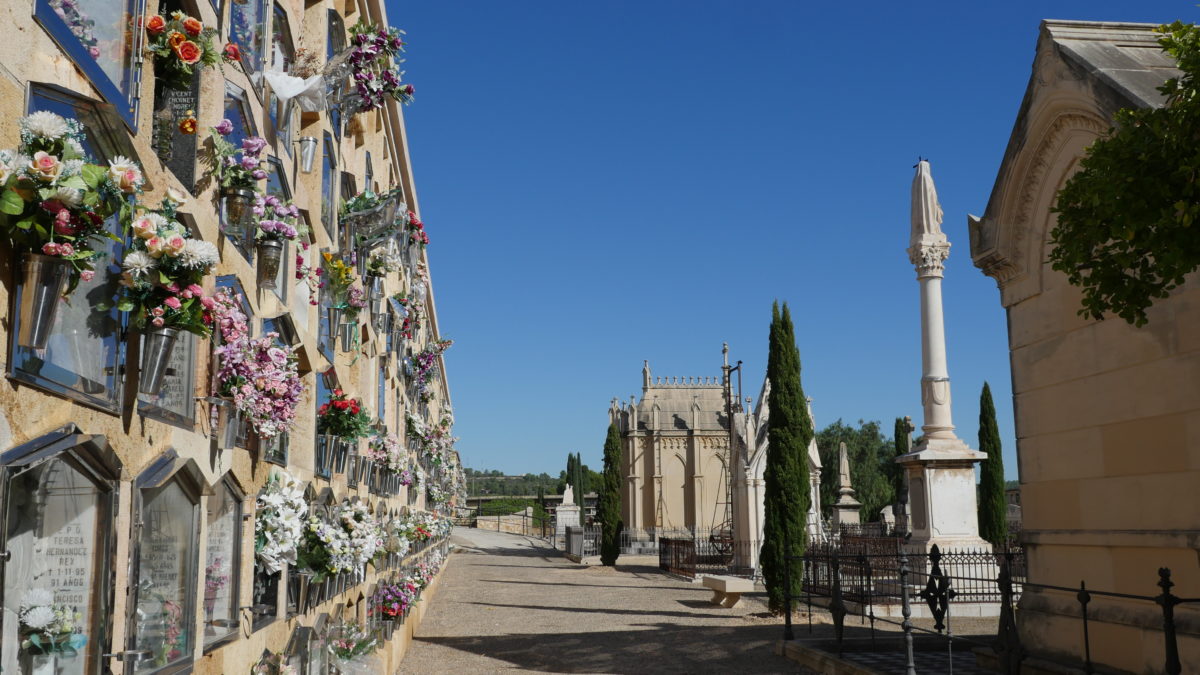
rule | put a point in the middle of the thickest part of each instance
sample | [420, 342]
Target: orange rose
[175, 38]
[193, 26]
[156, 24]
[188, 126]
[188, 52]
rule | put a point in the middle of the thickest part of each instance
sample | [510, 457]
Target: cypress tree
[896, 472]
[993, 523]
[786, 473]
[608, 511]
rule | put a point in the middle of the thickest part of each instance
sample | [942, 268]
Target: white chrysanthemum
[46, 124]
[71, 167]
[75, 147]
[35, 597]
[38, 618]
[68, 196]
[198, 254]
[139, 263]
[161, 223]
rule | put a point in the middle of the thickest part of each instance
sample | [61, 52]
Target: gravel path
[508, 604]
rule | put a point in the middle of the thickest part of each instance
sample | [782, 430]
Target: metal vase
[237, 209]
[45, 279]
[341, 455]
[326, 447]
[300, 588]
[334, 317]
[364, 470]
[229, 423]
[270, 254]
[157, 345]
[352, 474]
[374, 285]
[347, 332]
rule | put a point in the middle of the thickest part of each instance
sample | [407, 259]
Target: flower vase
[157, 345]
[39, 664]
[334, 318]
[229, 423]
[326, 448]
[237, 209]
[270, 254]
[45, 279]
[301, 589]
[374, 284]
[341, 454]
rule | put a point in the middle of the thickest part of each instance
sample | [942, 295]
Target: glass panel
[369, 176]
[275, 450]
[266, 597]
[281, 46]
[277, 184]
[381, 392]
[166, 554]
[328, 196]
[247, 29]
[95, 34]
[237, 111]
[176, 401]
[57, 521]
[221, 565]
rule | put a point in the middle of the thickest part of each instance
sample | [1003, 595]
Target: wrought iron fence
[856, 583]
[694, 556]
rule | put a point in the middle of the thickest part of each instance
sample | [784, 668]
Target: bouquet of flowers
[406, 477]
[261, 377]
[325, 549]
[339, 277]
[273, 664]
[276, 219]
[47, 627]
[343, 416]
[423, 367]
[363, 533]
[164, 268]
[54, 201]
[410, 321]
[437, 496]
[382, 262]
[279, 521]
[397, 542]
[179, 44]
[416, 231]
[351, 649]
[375, 61]
[310, 275]
[391, 601]
[236, 167]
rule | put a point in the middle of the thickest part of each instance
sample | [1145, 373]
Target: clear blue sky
[607, 182]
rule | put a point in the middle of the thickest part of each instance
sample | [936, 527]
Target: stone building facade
[110, 497]
[675, 456]
[1106, 414]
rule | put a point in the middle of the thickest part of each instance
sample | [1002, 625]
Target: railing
[855, 583]
[692, 557]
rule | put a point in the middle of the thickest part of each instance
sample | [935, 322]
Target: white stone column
[941, 469]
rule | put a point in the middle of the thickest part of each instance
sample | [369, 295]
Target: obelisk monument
[941, 468]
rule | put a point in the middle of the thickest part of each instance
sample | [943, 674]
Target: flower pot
[237, 210]
[334, 317]
[157, 345]
[374, 284]
[349, 333]
[382, 321]
[45, 279]
[229, 423]
[300, 588]
[326, 449]
[270, 253]
[364, 470]
[352, 473]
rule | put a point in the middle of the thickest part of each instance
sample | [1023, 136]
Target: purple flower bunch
[260, 376]
[80, 24]
[424, 366]
[276, 219]
[375, 61]
[392, 601]
[356, 297]
[236, 167]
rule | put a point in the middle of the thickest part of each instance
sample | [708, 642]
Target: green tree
[895, 471]
[993, 523]
[869, 454]
[1126, 230]
[608, 511]
[786, 473]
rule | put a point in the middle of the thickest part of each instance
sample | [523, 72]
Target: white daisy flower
[38, 618]
[46, 125]
[72, 167]
[139, 263]
[68, 196]
[198, 254]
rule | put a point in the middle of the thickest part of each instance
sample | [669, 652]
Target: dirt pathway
[507, 604]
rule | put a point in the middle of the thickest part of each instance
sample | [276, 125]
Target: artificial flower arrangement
[375, 62]
[273, 663]
[260, 376]
[279, 521]
[339, 277]
[54, 201]
[392, 601]
[277, 219]
[364, 533]
[382, 262]
[423, 367]
[180, 44]
[324, 549]
[163, 272]
[48, 627]
[351, 648]
[416, 231]
[410, 323]
[437, 496]
[343, 417]
[235, 167]
[82, 26]
[311, 275]
[396, 541]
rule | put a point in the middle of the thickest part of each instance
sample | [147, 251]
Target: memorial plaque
[54, 536]
[166, 550]
[176, 149]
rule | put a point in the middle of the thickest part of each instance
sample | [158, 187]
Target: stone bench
[727, 591]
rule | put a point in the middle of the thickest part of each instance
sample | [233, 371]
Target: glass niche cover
[166, 551]
[221, 566]
[54, 612]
